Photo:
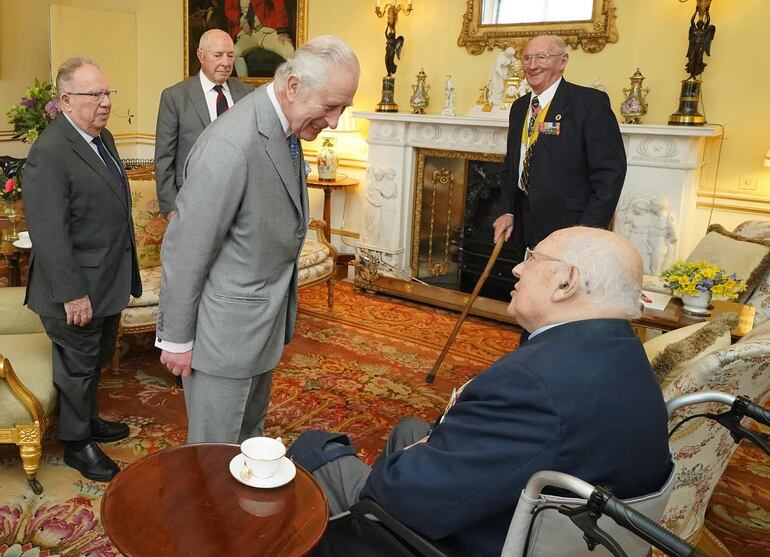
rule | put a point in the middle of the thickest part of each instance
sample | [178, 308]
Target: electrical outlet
[747, 182]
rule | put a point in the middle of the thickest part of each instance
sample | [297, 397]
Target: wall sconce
[700, 35]
[393, 45]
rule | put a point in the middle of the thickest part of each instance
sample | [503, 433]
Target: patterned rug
[358, 368]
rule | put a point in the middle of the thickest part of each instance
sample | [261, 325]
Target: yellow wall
[653, 36]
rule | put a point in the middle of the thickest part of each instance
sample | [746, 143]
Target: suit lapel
[515, 126]
[89, 156]
[237, 91]
[277, 148]
[198, 99]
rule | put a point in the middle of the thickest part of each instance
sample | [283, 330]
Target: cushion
[319, 271]
[672, 352]
[150, 288]
[149, 223]
[313, 252]
[747, 257]
[30, 357]
[760, 298]
[15, 317]
[140, 316]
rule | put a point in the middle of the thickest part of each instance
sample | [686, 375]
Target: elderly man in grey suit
[228, 296]
[188, 107]
[83, 265]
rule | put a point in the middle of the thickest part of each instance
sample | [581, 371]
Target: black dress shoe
[104, 431]
[91, 461]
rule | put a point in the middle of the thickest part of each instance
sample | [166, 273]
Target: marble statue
[652, 229]
[381, 196]
[497, 75]
[449, 97]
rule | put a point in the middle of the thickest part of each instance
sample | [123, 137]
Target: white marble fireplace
[663, 162]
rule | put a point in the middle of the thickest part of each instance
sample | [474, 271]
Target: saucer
[21, 244]
[285, 473]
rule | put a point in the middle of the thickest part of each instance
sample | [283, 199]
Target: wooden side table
[672, 317]
[342, 182]
[183, 501]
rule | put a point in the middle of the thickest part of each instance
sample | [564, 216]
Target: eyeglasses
[532, 254]
[99, 95]
[539, 58]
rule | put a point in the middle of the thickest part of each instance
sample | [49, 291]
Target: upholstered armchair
[701, 447]
[27, 392]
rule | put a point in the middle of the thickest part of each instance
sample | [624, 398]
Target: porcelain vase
[328, 161]
[697, 304]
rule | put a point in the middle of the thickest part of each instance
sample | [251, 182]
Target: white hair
[611, 272]
[68, 68]
[312, 61]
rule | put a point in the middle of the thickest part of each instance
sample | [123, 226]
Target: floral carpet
[357, 368]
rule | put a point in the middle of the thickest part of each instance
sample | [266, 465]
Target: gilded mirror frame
[298, 10]
[591, 35]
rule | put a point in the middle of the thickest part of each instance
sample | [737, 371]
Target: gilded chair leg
[30, 459]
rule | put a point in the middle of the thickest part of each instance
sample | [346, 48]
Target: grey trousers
[225, 410]
[343, 479]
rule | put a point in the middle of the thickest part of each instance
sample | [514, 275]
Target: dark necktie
[107, 159]
[534, 111]
[221, 100]
[294, 151]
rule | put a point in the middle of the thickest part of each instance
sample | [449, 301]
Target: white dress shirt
[211, 95]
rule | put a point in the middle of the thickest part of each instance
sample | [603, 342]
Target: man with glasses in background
[83, 265]
[565, 160]
[577, 397]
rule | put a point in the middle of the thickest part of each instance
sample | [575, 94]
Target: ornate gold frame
[300, 33]
[591, 35]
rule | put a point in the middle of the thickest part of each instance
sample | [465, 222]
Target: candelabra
[700, 36]
[393, 45]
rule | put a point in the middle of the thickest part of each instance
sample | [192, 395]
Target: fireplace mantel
[663, 161]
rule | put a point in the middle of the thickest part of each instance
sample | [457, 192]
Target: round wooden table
[184, 502]
[342, 182]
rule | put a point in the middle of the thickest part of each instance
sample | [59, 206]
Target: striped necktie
[221, 100]
[534, 111]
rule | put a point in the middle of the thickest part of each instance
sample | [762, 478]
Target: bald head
[215, 53]
[578, 273]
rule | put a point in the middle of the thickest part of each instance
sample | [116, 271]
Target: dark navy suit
[579, 398]
[575, 176]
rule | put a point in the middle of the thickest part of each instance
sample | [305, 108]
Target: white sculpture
[497, 75]
[652, 229]
[449, 97]
[598, 84]
[381, 194]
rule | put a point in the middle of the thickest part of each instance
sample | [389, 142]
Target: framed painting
[264, 33]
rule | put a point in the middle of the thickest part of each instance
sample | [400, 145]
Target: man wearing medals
[565, 154]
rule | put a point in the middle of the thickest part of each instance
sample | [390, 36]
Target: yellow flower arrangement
[691, 278]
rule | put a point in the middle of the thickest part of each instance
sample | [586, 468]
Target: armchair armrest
[319, 226]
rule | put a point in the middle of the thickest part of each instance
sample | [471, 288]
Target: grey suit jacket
[230, 255]
[182, 116]
[79, 219]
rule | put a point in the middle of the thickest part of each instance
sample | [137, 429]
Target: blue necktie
[107, 159]
[294, 151]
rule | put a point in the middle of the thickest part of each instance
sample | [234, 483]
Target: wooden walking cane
[492, 258]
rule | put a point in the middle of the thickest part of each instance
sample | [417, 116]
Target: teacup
[262, 456]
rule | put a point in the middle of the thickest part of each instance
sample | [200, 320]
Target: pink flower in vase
[9, 186]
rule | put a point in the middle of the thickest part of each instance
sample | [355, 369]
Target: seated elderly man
[578, 396]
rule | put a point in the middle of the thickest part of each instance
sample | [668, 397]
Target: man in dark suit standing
[188, 107]
[83, 266]
[565, 153]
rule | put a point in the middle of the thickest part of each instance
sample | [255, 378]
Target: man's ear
[292, 87]
[568, 287]
[199, 53]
